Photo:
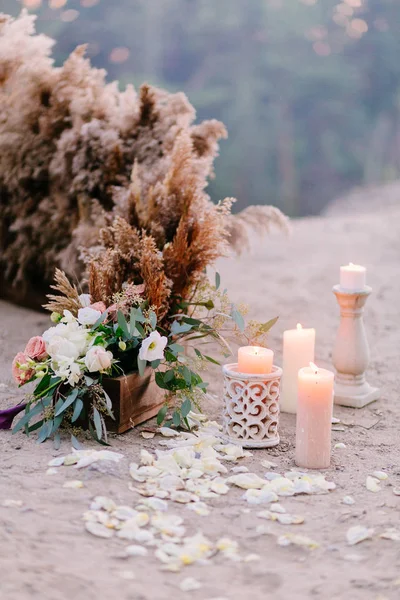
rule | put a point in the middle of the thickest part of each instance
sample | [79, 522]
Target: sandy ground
[45, 552]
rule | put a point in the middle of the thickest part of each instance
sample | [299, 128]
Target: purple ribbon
[7, 416]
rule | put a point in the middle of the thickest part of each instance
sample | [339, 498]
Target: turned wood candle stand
[251, 407]
[351, 351]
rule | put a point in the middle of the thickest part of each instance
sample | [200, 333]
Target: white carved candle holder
[251, 407]
[351, 351]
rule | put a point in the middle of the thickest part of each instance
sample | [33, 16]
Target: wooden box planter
[135, 399]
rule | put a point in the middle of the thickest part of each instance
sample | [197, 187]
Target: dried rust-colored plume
[109, 186]
[154, 278]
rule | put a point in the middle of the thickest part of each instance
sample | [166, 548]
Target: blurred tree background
[308, 89]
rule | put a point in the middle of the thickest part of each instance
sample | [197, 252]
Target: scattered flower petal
[372, 484]
[135, 550]
[391, 534]
[348, 500]
[189, 585]
[358, 534]
[381, 475]
[297, 540]
[10, 503]
[98, 529]
[340, 445]
[74, 484]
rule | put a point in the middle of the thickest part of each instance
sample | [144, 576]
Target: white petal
[391, 534]
[189, 585]
[136, 550]
[372, 484]
[74, 484]
[348, 500]
[98, 529]
[381, 475]
[358, 534]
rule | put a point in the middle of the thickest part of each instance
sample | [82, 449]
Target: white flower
[68, 317]
[59, 347]
[98, 359]
[153, 347]
[88, 316]
[85, 300]
[72, 332]
[75, 374]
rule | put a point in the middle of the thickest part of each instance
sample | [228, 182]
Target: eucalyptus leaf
[77, 410]
[186, 407]
[176, 418]
[237, 317]
[89, 380]
[177, 328]
[267, 326]
[123, 324]
[187, 375]
[38, 408]
[169, 375]
[162, 413]
[57, 441]
[44, 431]
[101, 319]
[97, 423]
[217, 280]
[155, 363]
[141, 366]
[69, 400]
[176, 348]
[75, 443]
[153, 319]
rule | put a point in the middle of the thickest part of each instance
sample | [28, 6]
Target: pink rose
[20, 370]
[100, 306]
[36, 348]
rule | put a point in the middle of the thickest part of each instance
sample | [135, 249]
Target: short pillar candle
[314, 418]
[255, 360]
[353, 277]
[298, 352]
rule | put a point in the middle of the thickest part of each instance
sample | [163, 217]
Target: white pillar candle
[353, 277]
[314, 418]
[298, 352]
[255, 360]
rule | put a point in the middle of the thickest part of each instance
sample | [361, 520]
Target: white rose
[48, 334]
[152, 347]
[98, 359]
[85, 300]
[78, 335]
[60, 347]
[88, 316]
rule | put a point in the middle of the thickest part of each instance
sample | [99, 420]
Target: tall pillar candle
[314, 418]
[298, 352]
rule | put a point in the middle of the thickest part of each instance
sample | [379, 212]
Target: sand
[45, 552]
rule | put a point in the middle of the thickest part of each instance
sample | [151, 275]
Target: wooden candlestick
[351, 351]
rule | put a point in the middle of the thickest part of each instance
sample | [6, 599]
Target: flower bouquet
[90, 342]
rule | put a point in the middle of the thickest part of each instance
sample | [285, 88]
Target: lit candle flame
[314, 367]
[299, 326]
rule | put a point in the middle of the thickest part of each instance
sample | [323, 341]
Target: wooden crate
[135, 399]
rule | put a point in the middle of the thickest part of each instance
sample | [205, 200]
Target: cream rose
[98, 359]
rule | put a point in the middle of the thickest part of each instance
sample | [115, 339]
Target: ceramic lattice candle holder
[251, 407]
